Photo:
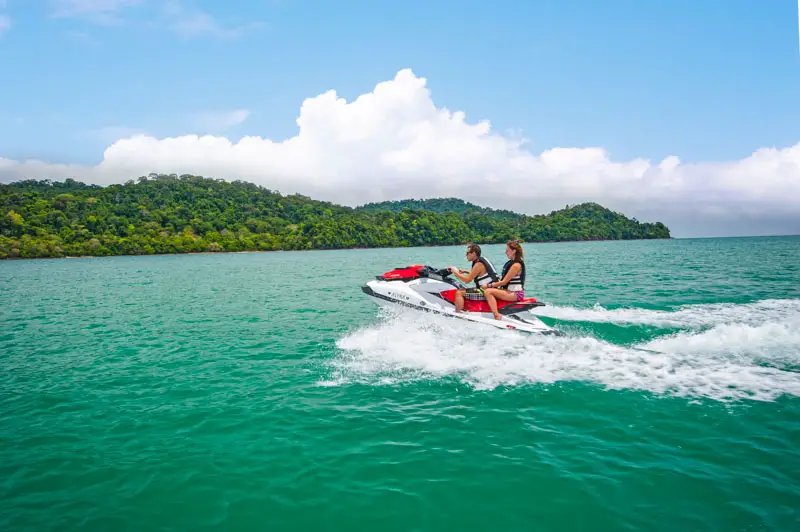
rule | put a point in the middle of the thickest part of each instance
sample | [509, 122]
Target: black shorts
[474, 294]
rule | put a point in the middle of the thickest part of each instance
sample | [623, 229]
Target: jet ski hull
[436, 295]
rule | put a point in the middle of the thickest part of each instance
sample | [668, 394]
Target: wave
[686, 316]
[747, 351]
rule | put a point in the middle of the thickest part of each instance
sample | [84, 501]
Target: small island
[159, 214]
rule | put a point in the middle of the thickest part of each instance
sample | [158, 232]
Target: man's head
[473, 252]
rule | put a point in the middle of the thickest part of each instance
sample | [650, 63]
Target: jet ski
[430, 289]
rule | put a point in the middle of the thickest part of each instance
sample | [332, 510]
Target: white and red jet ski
[430, 289]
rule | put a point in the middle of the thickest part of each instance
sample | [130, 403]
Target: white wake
[725, 352]
[687, 316]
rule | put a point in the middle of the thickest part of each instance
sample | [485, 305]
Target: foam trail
[772, 343]
[728, 362]
[684, 317]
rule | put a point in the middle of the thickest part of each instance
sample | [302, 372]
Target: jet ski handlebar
[431, 272]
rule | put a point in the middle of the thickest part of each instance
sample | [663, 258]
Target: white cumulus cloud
[395, 143]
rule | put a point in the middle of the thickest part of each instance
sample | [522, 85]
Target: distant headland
[160, 214]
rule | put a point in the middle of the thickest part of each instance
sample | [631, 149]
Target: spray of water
[722, 352]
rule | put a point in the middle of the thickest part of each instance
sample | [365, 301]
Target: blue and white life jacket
[489, 276]
[516, 283]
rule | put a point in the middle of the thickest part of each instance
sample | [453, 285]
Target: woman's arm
[512, 271]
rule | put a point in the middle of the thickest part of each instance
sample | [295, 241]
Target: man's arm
[472, 274]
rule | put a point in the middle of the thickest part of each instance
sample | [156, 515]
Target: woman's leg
[493, 294]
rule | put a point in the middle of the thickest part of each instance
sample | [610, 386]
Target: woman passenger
[511, 285]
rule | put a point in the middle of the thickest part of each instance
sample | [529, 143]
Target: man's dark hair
[474, 248]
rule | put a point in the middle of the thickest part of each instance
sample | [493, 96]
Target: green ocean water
[265, 391]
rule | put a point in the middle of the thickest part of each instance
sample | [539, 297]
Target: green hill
[440, 206]
[171, 214]
[587, 221]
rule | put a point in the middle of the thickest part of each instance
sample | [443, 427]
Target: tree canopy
[180, 214]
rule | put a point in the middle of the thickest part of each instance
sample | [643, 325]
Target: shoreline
[324, 249]
[335, 249]
[169, 254]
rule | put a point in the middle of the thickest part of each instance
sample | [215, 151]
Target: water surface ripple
[263, 391]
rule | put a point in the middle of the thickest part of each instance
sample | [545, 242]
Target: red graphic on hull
[470, 305]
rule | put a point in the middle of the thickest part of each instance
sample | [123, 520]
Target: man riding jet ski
[482, 273]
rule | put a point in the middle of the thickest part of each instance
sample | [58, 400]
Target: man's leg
[460, 300]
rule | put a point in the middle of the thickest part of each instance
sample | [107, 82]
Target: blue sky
[705, 81]
[709, 80]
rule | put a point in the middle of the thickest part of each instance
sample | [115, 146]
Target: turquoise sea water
[265, 391]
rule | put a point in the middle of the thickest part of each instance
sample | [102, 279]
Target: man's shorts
[474, 294]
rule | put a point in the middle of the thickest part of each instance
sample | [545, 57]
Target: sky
[677, 111]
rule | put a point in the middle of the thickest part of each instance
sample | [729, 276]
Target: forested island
[183, 214]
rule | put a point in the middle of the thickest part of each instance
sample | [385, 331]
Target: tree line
[179, 214]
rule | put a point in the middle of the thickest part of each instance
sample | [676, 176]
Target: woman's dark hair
[517, 247]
